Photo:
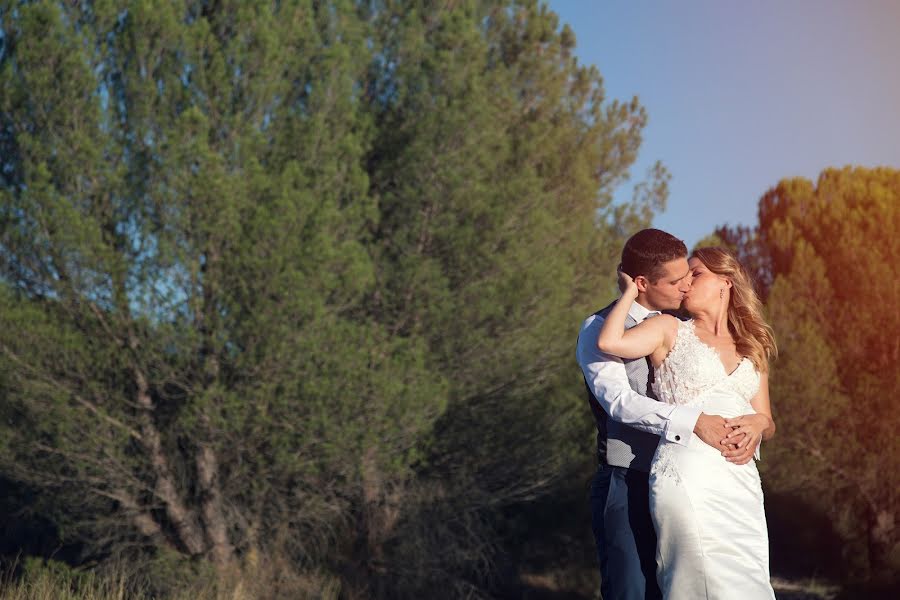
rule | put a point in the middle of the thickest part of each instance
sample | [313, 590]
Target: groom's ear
[641, 282]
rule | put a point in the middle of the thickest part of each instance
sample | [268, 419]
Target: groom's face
[668, 290]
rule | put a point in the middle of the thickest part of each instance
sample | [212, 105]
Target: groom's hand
[731, 443]
[739, 456]
[712, 430]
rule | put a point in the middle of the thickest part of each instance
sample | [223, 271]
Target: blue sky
[743, 94]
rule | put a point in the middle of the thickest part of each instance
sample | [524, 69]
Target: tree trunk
[181, 517]
[140, 517]
[214, 522]
[881, 524]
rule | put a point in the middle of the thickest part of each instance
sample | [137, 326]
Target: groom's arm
[608, 381]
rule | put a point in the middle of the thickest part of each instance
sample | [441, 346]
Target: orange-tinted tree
[826, 255]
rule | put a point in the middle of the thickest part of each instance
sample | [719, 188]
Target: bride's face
[706, 288]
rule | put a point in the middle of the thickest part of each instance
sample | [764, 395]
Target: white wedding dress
[708, 513]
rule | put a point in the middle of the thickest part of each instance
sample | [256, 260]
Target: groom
[630, 421]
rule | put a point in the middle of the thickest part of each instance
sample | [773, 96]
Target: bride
[708, 512]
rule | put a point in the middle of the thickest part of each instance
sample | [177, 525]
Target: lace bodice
[693, 369]
[693, 374]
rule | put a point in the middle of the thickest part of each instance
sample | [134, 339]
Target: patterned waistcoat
[617, 444]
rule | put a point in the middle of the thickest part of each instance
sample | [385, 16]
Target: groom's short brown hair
[648, 250]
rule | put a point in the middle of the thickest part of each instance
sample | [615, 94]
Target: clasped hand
[731, 437]
[745, 435]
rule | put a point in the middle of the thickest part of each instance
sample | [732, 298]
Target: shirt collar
[638, 312]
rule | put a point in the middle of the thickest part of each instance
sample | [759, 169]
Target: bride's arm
[761, 405]
[755, 427]
[641, 340]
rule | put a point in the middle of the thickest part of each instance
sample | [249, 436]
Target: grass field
[64, 584]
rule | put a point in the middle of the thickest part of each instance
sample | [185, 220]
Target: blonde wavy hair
[753, 337]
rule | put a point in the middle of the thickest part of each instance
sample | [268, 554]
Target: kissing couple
[681, 406]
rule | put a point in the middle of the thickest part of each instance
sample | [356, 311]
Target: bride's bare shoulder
[668, 323]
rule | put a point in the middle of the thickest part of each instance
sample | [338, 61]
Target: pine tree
[302, 278]
[184, 221]
[826, 256]
[494, 167]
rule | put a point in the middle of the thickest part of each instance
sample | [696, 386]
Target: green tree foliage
[827, 257]
[302, 278]
[184, 218]
[492, 156]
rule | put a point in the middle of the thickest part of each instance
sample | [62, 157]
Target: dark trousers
[623, 530]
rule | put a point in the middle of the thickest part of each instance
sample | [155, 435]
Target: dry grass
[568, 583]
[48, 585]
[267, 582]
[811, 589]
[273, 579]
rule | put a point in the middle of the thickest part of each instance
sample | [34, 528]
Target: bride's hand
[626, 284]
[751, 427]
[732, 444]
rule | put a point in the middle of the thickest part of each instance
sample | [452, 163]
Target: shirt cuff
[681, 424]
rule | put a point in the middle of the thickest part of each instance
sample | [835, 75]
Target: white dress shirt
[605, 375]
